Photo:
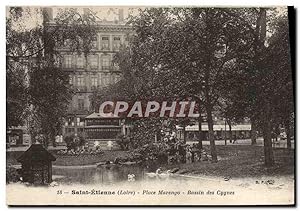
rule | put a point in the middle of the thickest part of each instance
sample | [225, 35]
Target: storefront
[241, 131]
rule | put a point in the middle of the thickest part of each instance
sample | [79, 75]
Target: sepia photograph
[150, 106]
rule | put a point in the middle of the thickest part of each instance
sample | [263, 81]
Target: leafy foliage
[12, 175]
[215, 55]
[73, 142]
[38, 89]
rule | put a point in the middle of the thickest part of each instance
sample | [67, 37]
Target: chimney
[121, 15]
[47, 14]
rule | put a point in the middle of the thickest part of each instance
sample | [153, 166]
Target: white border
[110, 3]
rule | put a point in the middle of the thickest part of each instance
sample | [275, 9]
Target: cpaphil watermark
[142, 109]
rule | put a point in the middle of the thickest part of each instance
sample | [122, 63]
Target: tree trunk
[157, 136]
[268, 150]
[211, 139]
[230, 130]
[53, 136]
[288, 134]
[49, 44]
[184, 133]
[200, 132]
[53, 142]
[225, 138]
[208, 103]
[253, 133]
[263, 24]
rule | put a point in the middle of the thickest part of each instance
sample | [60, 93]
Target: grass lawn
[241, 161]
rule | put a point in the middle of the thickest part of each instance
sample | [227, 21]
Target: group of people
[185, 153]
[180, 152]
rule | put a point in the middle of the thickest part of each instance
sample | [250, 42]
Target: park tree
[34, 52]
[278, 60]
[260, 86]
[270, 91]
[179, 53]
[16, 70]
[215, 55]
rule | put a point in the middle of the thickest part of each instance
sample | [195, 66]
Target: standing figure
[188, 155]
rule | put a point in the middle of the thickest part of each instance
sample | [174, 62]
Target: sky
[32, 15]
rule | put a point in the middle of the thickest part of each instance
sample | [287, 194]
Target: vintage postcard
[150, 106]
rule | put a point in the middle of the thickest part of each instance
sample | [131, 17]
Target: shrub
[12, 174]
[123, 141]
[73, 142]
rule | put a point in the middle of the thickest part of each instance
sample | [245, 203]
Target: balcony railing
[93, 88]
[68, 67]
[98, 87]
[107, 67]
[81, 110]
[93, 67]
[105, 48]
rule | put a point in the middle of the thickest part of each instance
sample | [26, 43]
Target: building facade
[92, 72]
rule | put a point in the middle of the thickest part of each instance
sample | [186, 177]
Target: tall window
[100, 82]
[80, 104]
[94, 82]
[126, 40]
[80, 80]
[94, 61]
[80, 121]
[116, 43]
[105, 43]
[106, 80]
[71, 80]
[80, 62]
[67, 61]
[105, 62]
[94, 43]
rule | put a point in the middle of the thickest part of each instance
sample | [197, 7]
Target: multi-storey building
[91, 73]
